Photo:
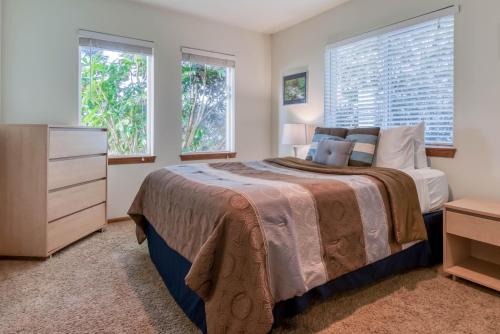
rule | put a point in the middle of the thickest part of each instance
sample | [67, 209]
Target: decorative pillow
[419, 144]
[333, 153]
[337, 132]
[365, 144]
[396, 148]
[315, 141]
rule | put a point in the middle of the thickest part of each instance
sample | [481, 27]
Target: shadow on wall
[476, 154]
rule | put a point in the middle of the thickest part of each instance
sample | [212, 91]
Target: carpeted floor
[106, 283]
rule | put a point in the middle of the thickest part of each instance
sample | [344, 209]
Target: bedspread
[260, 232]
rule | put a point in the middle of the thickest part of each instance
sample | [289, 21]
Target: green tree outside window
[205, 106]
[114, 95]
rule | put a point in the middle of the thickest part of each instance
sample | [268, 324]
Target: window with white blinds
[395, 77]
[116, 90]
[208, 92]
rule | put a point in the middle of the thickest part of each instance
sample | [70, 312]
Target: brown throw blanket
[260, 232]
[403, 197]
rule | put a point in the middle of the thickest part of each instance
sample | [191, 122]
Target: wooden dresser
[53, 185]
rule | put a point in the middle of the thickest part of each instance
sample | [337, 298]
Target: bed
[241, 246]
[432, 188]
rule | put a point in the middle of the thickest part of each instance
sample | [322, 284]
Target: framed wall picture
[295, 88]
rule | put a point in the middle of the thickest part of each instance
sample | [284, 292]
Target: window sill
[131, 160]
[207, 156]
[441, 151]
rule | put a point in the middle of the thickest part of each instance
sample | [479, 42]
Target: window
[399, 75]
[207, 102]
[116, 89]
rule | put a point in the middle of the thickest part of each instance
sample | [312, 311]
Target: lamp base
[295, 150]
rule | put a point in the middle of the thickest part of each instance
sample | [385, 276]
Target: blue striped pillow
[318, 137]
[364, 149]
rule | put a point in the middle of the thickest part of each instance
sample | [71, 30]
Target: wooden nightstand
[472, 241]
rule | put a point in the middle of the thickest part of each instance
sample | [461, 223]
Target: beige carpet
[106, 283]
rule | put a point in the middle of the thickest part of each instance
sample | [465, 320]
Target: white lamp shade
[294, 134]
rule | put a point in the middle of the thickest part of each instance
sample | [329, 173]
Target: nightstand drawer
[63, 173]
[473, 227]
[64, 231]
[70, 200]
[65, 143]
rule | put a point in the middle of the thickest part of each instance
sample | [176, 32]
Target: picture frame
[295, 88]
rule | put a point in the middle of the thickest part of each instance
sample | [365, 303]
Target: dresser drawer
[69, 200]
[64, 231]
[64, 173]
[473, 227]
[76, 142]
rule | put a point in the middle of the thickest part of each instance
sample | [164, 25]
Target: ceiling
[267, 16]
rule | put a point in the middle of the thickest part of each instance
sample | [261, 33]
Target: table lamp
[294, 134]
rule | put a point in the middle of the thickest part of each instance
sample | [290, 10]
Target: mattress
[432, 188]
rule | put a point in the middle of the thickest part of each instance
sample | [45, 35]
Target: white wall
[475, 171]
[40, 83]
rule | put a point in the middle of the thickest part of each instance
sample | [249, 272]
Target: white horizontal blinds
[114, 43]
[398, 77]
[420, 84]
[357, 84]
[207, 57]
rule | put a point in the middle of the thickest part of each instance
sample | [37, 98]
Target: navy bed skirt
[173, 268]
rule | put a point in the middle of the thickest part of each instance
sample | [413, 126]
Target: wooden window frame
[230, 107]
[440, 151]
[148, 156]
[128, 160]
[207, 156]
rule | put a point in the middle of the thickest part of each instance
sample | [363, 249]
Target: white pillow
[396, 148]
[419, 142]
